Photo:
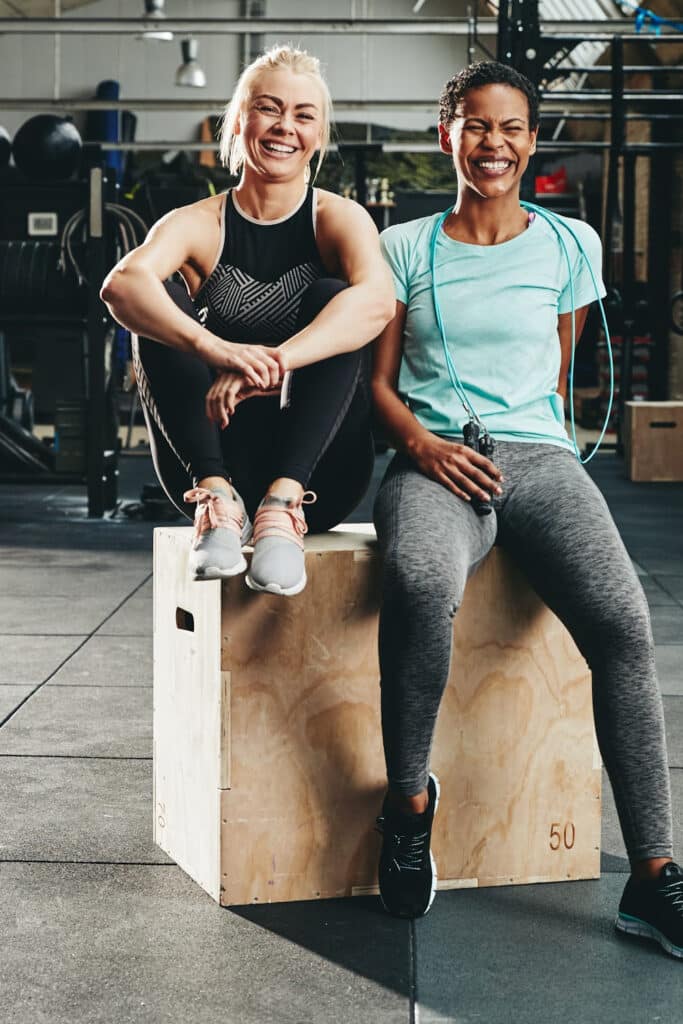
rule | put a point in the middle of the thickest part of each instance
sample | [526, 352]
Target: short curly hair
[486, 72]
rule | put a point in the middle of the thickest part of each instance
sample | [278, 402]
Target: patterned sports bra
[254, 292]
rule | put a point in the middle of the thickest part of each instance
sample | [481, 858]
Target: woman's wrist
[414, 442]
[210, 349]
[199, 343]
[283, 356]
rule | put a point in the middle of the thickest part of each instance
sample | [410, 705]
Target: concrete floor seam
[103, 863]
[80, 646]
[81, 757]
[412, 982]
[101, 686]
[45, 634]
[667, 590]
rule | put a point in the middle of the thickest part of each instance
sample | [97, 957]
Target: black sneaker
[654, 909]
[407, 871]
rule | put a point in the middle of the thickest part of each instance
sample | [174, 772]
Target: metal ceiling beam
[239, 26]
[575, 30]
[573, 38]
[208, 107]
[547, 145]
[606, 69]
[602, 95]
[429, 106]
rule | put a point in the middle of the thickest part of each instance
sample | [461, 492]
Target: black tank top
[254, 292]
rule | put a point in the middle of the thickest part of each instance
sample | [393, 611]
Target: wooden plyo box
[268, 764]
[653, 441]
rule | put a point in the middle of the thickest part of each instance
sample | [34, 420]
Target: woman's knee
[422, 582]
[180, 295]
[617, 627]
[316, 297]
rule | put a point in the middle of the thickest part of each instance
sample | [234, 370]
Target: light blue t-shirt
[499, 305]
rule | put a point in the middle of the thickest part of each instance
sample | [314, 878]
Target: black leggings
[323, 440]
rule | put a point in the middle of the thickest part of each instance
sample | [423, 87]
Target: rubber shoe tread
[653, 909]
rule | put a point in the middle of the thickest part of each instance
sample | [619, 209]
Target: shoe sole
[634, 926]
[431, 859]
[437, 786]
[275, 588]
[215, 572]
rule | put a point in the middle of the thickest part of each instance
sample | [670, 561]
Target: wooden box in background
[268, 764]
[653, 441]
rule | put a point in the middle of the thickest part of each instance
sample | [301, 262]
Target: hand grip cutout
[184, 620]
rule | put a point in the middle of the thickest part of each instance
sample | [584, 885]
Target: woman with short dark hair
[469, 383]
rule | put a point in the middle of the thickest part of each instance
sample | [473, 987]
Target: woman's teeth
[494, 165]
[275, 147]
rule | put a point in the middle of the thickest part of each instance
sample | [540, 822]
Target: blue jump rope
[474, 421]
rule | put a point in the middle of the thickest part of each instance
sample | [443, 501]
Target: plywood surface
[654, 441]
[293, 706]
[306, 746]
[515, 747]
[190, 746]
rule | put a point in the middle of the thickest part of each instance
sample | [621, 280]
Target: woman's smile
[278, 149]
[492, 167]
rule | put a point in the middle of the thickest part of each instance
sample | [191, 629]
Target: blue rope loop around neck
[555, 223]
[452, 372]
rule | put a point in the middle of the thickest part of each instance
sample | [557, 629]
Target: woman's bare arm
[136, 297]
[455, 466]
[564, 328]
[356, 315]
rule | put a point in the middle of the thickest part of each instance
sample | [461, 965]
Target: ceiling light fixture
[190, 72]
[154, 9]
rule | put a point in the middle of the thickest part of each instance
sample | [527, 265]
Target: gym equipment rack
[37, 458]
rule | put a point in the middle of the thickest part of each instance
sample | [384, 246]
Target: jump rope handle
[482, 443]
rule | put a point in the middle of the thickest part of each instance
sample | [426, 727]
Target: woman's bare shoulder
[340, 219]
[204, 213]
[332, 205]
[189, 234]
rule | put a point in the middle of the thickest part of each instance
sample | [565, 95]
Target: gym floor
[98, 925]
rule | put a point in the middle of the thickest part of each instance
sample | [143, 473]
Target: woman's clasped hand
[462, 470]
[259, 365]
[231, 388]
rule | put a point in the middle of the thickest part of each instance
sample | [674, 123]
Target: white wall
[382, 67]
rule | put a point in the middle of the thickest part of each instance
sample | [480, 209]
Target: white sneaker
[278, 564]
[221, 527]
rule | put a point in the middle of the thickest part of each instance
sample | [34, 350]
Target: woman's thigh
[431, 540]
[557, 526]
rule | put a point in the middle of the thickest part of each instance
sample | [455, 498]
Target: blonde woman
[259, 388]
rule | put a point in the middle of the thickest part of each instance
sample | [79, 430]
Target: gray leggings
[553, 521]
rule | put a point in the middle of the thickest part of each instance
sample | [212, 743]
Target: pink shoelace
[214, 510]
[283, 521]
